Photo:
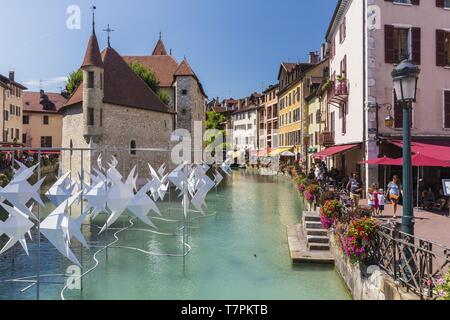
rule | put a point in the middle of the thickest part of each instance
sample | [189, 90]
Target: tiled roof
[92, 56]
[6, 81]
[122, 86]
[184, 69]
[163, 67]
[160, 49]
[46, 103]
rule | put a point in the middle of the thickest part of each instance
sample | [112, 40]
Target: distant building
[245, 123]
[12, 108]
[270, 138]
[42, 122]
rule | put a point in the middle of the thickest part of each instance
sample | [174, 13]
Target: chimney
[313, 57]
[11, 75]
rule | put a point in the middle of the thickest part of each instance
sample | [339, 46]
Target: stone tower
[190, 97]
[93, 91]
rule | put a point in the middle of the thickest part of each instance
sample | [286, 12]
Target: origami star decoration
[15, 227]
[61, 190]
[19, 191]
[141, 204]
[59, 228]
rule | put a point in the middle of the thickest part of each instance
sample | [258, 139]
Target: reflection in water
[239, 253]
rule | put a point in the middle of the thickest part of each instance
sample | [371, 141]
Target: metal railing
[414, 263]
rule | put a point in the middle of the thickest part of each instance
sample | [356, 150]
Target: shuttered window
[447, 109]
[442, 48]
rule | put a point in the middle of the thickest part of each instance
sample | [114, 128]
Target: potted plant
[356, 236]
[330, 213]
[443, 288]
[311, 194]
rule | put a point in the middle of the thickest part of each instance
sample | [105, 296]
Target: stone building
[12, 106]
[115, 112]
[42, 122]
[179, 81]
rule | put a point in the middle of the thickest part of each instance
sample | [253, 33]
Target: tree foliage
[147, 75]
[74, 80]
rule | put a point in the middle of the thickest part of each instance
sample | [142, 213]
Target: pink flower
[442, 293]
[440, 282]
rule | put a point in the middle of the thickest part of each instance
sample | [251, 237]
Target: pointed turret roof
[92, 56]
[160, 49]
[122, 86]
[184, 69]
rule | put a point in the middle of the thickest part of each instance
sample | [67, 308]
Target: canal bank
[241, 252]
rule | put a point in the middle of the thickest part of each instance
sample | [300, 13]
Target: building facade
[362, 93]
[270, 136]
[115, 113]
[42, 122]
[12, 106]
[180, 83]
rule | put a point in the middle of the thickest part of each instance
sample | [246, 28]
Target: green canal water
[239, 251]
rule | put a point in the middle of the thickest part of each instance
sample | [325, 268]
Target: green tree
[163, 96]
[73, 81]
[146, 75]
[215, 121]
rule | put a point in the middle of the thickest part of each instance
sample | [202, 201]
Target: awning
[288, 154]
[334, 150]
[435, 149]
[48, 152]
[385, 161]
[420, 160]
[279, 151]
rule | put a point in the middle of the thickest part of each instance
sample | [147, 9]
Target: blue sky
[234, 46]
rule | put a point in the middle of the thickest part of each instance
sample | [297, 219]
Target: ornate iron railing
[414, 263]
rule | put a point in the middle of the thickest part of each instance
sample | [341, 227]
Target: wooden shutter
[447, 109]
[398, 113]
[389, 44]
[440, 3]
[440, 48]
[415, 2]
[416, 45]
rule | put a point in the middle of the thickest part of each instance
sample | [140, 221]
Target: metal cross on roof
[109, 30]
[93, 8]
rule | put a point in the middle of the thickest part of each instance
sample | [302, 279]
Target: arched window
[133, 147]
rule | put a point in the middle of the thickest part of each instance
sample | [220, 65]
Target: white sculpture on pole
[19, 191]
[59, 228]
[15, 227]
[61, 190]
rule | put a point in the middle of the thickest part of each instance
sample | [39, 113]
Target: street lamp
[406, 76]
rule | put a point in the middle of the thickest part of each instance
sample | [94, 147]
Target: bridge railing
[416, 264]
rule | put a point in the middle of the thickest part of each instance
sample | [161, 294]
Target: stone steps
[318, 247]
[313, 225]
[317, 238]
[316, 232]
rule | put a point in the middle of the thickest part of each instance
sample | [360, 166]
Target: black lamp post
[406, 76]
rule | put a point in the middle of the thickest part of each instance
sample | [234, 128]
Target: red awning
[385, 161]
[420, 160]
[334, 150]
[434, 149]
[43, 152]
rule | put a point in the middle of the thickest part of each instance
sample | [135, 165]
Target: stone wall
[368, 283]
[121, 125]
[72, 128]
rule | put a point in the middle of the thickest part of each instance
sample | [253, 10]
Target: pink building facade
[367, 39]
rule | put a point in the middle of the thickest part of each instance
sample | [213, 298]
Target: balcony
[326, 139]
[339, 93]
